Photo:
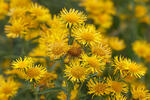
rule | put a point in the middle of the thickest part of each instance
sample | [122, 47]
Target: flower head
[35, 73]
[22, 63]
[116, 44]
[72, 17]
[8, 87]
[86, 34]
[102, 50]
[117, 86]
[139, 91]
[75, 71]
[16, 29]
[98, 88]
[93, 63]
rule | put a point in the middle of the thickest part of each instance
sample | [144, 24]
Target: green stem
[36, 96]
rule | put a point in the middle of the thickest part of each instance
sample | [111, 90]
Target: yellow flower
[58, 46]
[92, 63]
[100, 11]
[3, 9]
[141, 48]
[74, 92]
[22, 63]
[20, 73]
[8, 88]
[62, 96]
[140, 11]
[98, 88]
[120, 64]
[104, 18]
[56, 22]
[127, 67]
[145, 19]
[35, 73]
[139, 91]
[18, 12]
[116, 44]
[40, 13]
[16, 29]
[117, 86]
[55, 42]
[86, 34]
[75, 71]
[103, 51]
[72, 17]
[19, 3]
[136, 70]
[47, 79]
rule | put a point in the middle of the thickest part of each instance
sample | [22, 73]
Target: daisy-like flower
[102, 50]
[141, 48]
[140, 11]
[35, 73]
[40, 13]
[127, 67]
[93, 63]
[86, 34]
[22, 63]
[136, 70]
[116, 44]
[58, 46]
[56, 22]
[75, 71]
[120, 64]
[117, 86]
[47, 79]
[139, 91]
[16, 29]
[72, 17]
[55, 43]
[3, 9]
[18, 3]
[8, 88]
[98, 88]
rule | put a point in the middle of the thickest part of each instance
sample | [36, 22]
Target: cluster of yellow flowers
[82, 52]
[141, 12]
[101, 11]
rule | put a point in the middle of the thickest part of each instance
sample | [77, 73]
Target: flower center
[87, 36]
[72, 18]
[117, 87]
[33, 72]
[100, 88]
[93, 62]
[78, 72]
[22, 64]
